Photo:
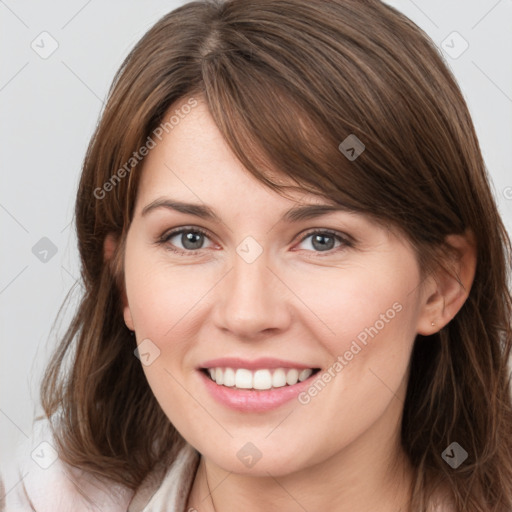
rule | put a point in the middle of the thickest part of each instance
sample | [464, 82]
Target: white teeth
[243, 378]
[292, 377]
[262, 379]
[279, 378]
[229, 377]
[304, 374]
[258, 379]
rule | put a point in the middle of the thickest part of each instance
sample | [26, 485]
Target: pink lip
[263, 362]
[250, 400]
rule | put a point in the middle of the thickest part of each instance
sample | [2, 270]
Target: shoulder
[168, 486]
[39, 480]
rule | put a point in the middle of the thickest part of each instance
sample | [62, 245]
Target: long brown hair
[286, 82]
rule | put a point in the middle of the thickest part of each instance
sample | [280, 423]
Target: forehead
[192, 167]
[192, 161]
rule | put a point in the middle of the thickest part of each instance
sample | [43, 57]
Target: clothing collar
[166, 488]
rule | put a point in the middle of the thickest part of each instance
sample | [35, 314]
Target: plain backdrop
[49, 107]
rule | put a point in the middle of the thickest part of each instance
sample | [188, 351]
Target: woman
[296, 278]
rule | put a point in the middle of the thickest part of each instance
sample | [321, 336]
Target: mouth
[256, 390]
[261, 379]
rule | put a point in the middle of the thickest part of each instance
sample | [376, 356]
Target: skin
[340, 451]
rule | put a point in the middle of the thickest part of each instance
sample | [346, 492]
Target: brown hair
[286, 81]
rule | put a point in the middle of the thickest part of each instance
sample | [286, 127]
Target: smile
[260, 379]
[258, 390]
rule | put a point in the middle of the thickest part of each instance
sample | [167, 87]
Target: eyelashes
[164, 240]
[344, 240]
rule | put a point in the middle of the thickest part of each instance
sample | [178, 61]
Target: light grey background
[49, 108]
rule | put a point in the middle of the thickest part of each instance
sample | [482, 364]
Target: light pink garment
[37, 481]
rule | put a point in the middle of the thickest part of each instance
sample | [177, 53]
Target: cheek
[163, 297]
[162, 301]
[367, 305]
[367, 327]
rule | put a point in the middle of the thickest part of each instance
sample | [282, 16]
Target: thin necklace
[209, 491]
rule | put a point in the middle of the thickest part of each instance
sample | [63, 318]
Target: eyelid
[163, 239]
[345, 239]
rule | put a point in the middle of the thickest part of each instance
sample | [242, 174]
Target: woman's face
[262, 291]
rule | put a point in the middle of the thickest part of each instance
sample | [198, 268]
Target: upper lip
[255, 364]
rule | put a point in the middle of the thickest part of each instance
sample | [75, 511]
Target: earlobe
[127, 314]
[109, 248]
[449, 287]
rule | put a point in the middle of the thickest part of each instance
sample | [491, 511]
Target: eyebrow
[295, 214]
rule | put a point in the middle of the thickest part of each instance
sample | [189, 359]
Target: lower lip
[250, 400]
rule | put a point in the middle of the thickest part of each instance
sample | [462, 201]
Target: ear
[109, 248]
[445, 292]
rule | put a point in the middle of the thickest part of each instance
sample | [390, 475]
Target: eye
[324, 241]
[190, 238]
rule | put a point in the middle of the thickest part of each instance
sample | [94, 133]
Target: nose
[252, 300]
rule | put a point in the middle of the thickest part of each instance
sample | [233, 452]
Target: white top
[38, 480]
